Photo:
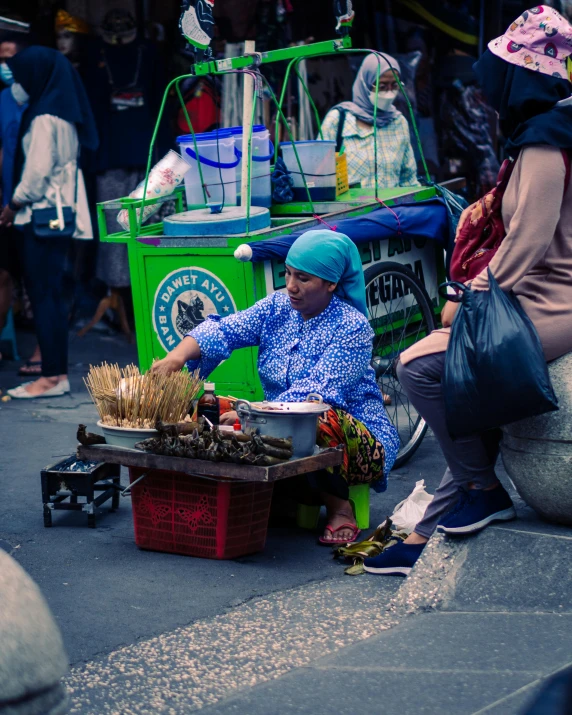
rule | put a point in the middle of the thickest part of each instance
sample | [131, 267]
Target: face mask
[19, 93]
[384, 100]
[6, 74]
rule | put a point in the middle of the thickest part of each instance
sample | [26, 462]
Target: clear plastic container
[218, 160]
[262, 154]
[318, 160]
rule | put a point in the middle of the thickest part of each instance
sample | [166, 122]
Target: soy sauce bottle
[208, 404]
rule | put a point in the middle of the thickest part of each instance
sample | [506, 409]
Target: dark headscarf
[527, 103]
[55, 88]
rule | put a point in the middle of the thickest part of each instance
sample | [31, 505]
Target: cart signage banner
[183, 300]
[418, 254]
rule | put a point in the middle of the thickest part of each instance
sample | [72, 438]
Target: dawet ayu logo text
[184, 299]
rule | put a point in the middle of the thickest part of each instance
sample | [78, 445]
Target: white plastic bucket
[218, 161]
[262, 154]
[318, 160]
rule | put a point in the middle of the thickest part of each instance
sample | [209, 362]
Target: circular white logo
[184, 299]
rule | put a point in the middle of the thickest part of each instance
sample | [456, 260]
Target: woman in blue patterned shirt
[396, 164]
[316, 339]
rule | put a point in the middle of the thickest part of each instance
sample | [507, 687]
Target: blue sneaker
[396, 560]
[476, 509]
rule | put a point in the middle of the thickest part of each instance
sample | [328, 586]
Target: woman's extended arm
[187, 349]
[215, 339]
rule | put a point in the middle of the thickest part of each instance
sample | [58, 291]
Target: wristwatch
[13, 206]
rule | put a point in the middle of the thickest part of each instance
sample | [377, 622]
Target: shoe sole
[36, 397]
[505, 515]
[395, 570]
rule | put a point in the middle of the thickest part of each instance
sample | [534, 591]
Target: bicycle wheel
[400, 314]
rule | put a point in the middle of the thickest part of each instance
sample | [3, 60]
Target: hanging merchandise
[129, 96]
[202, 102]
[197, 26]
[344, 12]
[119, 27]
[467, 135]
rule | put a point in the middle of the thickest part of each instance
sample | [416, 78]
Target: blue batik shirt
[329, 354]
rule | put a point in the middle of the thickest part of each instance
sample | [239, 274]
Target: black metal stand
[68, 481]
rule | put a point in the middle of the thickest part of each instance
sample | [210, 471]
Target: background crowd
[124, 53]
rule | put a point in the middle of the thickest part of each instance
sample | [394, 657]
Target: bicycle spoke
[399, 322]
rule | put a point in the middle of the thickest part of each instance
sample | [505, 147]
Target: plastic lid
[239, 130]
[209, 386]
[237, 427]
[308, 141]
[205, 136]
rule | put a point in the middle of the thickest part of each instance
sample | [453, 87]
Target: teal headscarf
[333, 257]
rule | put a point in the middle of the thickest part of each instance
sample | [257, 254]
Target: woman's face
[65, 42]
[308, 294]
[387, 83]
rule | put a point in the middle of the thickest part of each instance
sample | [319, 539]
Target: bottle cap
[209, 386]
[237, 426]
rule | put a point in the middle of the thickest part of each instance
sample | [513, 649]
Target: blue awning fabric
[421, 219]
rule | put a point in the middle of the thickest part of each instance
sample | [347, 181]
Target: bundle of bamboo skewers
[126, 398]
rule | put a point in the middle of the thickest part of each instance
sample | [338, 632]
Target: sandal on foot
[32, 368]
[337, 542]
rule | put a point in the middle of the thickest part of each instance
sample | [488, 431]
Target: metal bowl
[295, 420]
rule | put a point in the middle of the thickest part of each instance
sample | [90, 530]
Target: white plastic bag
[164, 178]
[411, 510]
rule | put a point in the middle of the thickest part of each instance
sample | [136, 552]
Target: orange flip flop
[337, 542]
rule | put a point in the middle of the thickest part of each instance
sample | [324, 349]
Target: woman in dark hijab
[524, 75]
[57, 122]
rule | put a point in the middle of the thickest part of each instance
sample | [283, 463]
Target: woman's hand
[448, 313]
[168, 365]
[7, 216]
[228, 418]
[187, 349]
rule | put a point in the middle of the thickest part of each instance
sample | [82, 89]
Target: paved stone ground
[475, 628]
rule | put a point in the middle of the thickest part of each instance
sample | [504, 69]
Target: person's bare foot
[334, 533]
[415, 539]
[339, 511]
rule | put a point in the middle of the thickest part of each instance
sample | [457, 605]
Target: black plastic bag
[495, 370]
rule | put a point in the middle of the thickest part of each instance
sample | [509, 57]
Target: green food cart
[177, 281]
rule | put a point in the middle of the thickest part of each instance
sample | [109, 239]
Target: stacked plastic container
[262, 154]
[318, 160]
[218, 158]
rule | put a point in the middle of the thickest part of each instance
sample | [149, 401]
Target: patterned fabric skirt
[364, 456]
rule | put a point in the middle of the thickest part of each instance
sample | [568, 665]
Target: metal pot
[298, 420]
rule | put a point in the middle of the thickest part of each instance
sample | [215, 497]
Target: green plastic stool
[307, 516]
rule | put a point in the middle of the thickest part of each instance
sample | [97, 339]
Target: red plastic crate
[181, 514]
